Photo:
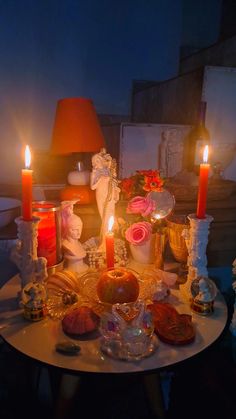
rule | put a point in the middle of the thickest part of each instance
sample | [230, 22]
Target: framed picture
[151, 146]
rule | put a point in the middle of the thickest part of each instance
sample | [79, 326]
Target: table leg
[152, 384]
[67, 387]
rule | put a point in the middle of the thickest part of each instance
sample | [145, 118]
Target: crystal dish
[116, 350]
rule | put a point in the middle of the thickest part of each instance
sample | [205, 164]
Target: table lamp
[76, 130]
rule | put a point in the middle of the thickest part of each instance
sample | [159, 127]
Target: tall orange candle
[27, 187]
[110, 253]
[203, 185]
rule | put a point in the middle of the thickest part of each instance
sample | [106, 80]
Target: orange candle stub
[203, 185]
[27, 187]
[110, 253]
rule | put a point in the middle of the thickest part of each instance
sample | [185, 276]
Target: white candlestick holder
[24, 253]
[196, 238]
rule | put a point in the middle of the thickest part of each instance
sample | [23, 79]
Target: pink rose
[139, 233]
[141, 205]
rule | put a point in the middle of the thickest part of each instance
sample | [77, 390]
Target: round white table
[37, 339]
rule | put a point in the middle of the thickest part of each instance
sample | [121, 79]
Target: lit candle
[110, 254]
[203, 185]
[27, 187]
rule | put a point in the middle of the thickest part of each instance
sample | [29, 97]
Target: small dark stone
[67, 348]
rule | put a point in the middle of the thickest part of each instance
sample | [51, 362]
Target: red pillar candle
[110, 253]
[27, 187]
[203, 185]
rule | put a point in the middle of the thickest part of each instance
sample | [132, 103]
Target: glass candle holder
[127, 331]
[49, 231]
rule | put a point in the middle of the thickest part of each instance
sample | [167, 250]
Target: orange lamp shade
[76, 127]
[82, 194]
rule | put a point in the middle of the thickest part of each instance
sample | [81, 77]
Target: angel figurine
[105, 183]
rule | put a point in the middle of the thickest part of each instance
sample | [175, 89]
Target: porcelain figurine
[34, 297]
[73, 250]
[105, 183]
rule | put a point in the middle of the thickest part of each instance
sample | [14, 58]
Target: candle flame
[110, 223]
[27, 157]
[205, 154]
[157, 216]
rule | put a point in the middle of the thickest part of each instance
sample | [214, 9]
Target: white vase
[144, 253]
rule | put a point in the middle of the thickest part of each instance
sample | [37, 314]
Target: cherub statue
[73, 250]
[104, 181]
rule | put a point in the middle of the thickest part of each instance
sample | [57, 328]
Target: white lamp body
[79, 177]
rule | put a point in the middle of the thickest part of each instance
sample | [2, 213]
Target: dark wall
[174, 101]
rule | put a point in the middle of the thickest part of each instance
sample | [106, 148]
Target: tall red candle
[110, 253]
[203, 185]
[27, 187]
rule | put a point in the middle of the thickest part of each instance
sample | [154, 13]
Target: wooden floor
[204, 386]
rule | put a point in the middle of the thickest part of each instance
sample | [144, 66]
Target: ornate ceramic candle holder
[24, 254]
[196, 241]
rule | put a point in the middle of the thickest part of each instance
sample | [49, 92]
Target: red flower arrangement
[138, 226]
[140, 183]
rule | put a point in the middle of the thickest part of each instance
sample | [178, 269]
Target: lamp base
[77, 177]
[81, 193]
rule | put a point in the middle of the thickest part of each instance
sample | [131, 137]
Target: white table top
[37, 339]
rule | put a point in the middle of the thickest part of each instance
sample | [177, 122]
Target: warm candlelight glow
[110, 251]
[27, 157]
[110, 223]
[27, 187]
[205, 154]
[203, 185]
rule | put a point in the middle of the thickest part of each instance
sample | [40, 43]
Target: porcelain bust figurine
[73, 250]
[105, 183]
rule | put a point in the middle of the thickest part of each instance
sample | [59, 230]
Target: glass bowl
[88, 286]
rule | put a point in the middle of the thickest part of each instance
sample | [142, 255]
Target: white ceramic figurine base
[196, 241]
